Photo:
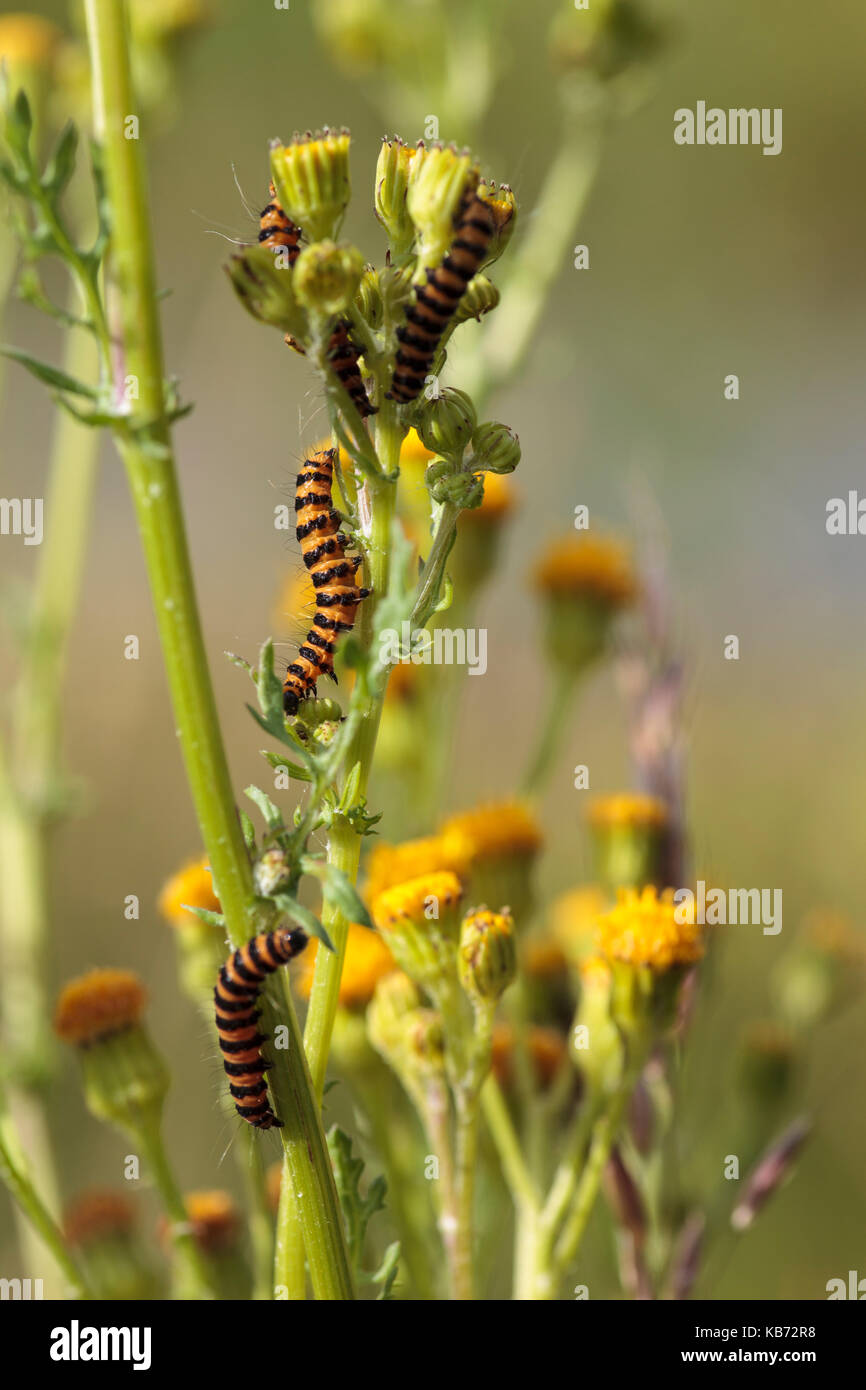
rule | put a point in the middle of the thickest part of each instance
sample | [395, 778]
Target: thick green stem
[551, 730]
[146, 449]
[376, 507]
[196, 1277]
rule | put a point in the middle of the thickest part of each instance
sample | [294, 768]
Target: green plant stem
[196, 1276]
[551, 730]
[289, 1269]
[604, 1135]
[260, 1219]
[146, 450]
[520, 1181]
[29, 784]
[535, 262]
[14, 1176]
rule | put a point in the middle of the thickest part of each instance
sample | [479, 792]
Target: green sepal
[213, 919]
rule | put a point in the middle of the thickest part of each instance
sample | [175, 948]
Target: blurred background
[703, 262]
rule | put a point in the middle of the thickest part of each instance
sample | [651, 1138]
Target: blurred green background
[703, 262]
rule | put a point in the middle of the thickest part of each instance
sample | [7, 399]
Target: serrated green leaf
[272, 814]
[358, 1208]
[213, 919]
[304, 918]
[337, 888]
[52, 376]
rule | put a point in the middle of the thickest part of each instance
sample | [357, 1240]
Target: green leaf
[19, 126]
[62, 164]
[282, 734]
[358, 1208]
[304, 918]
[244, 665]
[52, 376]
[387, 1272]
[337, 888]
[269, 685]
[350, 788]
[272, 814]
[213, 919]
[280, 763]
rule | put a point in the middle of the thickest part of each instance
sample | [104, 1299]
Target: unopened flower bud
[487, 960]
[392, 184]
[327, 277]
[369, 297]
[445, 423]
[312, 180]
[425, 1042]
[460, 489]
[495, 447]
[503, 204]
[479, 298]
[100, 1228]
[628, 830]
[267, 291]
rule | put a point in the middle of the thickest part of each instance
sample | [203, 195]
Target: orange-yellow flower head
[389, 865]
[585, 565]
[94, 1216]
[642, 930]
[498, 830]
[367, 961]
[191, 886]
[418, 901]
[98, 1005]
[547, 1049]
[419, 920]
[214, 1218]
[629, 809]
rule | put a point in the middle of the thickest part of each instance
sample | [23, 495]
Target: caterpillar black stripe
[333, 574]
[237, 989]
[277, 230]
[436, 302]
[344, 359]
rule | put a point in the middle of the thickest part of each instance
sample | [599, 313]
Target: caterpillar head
[290, 701]
[293, 940]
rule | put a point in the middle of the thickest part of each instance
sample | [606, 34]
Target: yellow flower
[99, 1005]
[28, 39]
[312, 180]
[497, 830]
[642, 930]
[630, 809]
[95, 1215]
[389, 865]
[191, 886]
[588, 565]
[594, 971]
[367, 961]
[411, 901]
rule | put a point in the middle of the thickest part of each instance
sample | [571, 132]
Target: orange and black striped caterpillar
[436, 302]
[333, 574]
[278, 231]
[235, 995]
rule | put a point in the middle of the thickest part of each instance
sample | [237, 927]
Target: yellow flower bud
[392, 183]
[327, 277]
[445, 423]
[439, 179]
[312, 180]
[487, 960]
